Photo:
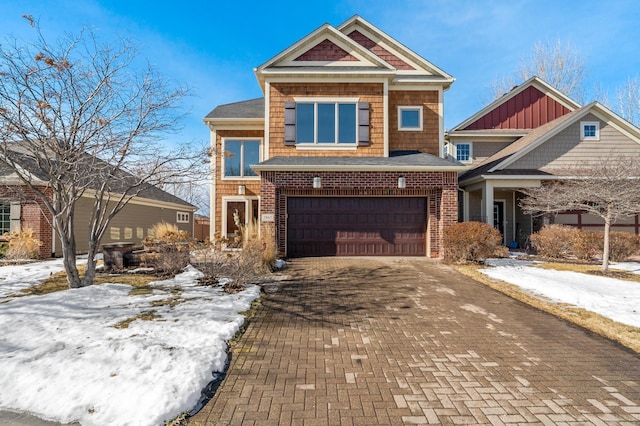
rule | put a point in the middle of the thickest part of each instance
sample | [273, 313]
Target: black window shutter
[363, 123]
[289, 123]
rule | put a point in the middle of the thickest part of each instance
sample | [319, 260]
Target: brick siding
[33, 215]
[441, 189]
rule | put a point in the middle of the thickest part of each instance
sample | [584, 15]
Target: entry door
[245, 212]
[498, 216]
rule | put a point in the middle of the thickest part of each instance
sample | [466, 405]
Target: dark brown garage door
[356, 226]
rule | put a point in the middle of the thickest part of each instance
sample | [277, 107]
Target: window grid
[590, 130]
[5, 217]
[463, 152]
[326, 122]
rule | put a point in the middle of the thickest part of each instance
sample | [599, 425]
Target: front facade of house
[343, 155]
[532, 134]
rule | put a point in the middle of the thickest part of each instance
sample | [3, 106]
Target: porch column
[487, 202]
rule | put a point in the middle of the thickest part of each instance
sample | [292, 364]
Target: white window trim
[470, 151]
[180, 217]
[410, 108]
[222, 161]
[590, 123]
[327, 145]
[247, 201]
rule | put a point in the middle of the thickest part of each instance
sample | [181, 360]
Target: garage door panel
[356, 226]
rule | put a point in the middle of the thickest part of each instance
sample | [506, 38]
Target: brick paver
[407, 341]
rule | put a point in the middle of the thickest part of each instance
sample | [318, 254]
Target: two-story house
[344, 154]
[532, 134]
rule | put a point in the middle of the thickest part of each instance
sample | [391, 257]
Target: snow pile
[615, 299]
[61, 358]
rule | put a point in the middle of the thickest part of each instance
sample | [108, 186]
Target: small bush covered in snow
[472, 242]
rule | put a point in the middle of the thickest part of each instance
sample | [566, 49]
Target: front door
[498, 216]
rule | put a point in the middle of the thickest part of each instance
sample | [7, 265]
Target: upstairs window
[463, 152]
[326, 123]
[239, 155]
[323, 123]
[589, 130]
[410, 118]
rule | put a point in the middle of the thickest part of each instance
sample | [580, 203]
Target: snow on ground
[62, 359]
[615, 299]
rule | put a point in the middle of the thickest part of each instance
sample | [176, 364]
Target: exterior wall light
[402, 182]
[241, 189]
[317, 182]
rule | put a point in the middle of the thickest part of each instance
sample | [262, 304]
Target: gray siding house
[532, 134]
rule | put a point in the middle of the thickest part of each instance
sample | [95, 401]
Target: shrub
[256, 257]
[622, 245]
[23, 245]
[586, 244]
[554, 241]
[168, 250]
[167, 233]
[472, 242]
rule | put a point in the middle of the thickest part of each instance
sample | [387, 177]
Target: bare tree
[628, 98]
[607, 189]
[77, 117]
[558, 63]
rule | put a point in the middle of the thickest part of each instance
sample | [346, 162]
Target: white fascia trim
[141, 201]
[485, 137]
[441, 123]
[385, 118]
[267, 120]
[521, 179]
[605, 114]
[326, 147]
[326, 73]
[413, 86]
[355, 168]
[213, 139]
[376, 34]
[235, 123]
[328, 99]
[326, 31]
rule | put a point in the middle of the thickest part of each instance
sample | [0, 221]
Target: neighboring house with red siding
[344, 153]
[532, 134]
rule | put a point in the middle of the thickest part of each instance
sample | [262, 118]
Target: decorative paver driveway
[406, 341]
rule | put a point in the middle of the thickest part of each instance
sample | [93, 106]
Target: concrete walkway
[393, 341]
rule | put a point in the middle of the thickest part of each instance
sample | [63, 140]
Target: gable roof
[497, 163]
[372, 53]
[386, 42]
[518, 97]
[28, 164]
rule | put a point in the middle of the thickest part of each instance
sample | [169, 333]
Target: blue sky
[213, 46]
